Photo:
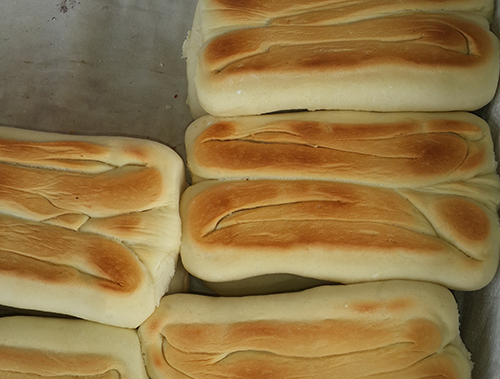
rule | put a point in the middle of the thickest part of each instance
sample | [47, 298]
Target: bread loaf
[396, 329]
[36, 347]
[383, 149]
[89, 226]
[248, 58]
[341, 232]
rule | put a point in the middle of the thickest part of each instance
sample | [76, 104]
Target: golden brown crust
[327, 11]
[336, 231]
[395, 150]
[69, 154]
[325, 332]
[341, 46]
[325, 337]
[98, 195]
[67, 257]
[251, 364]
[467, 218]
[90, 226]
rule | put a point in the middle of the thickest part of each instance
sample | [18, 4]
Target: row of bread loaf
[404, 202]
[360, 184]
[390, 329]
[290, 235]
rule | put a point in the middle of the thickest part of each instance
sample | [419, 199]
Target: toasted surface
[384, 149]
[35, 347]
[340, 232]
[224, 15]
[413, 57]
[89, 226]
[317, 333]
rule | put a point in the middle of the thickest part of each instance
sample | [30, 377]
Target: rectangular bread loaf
[391, 330]
[89, 225]
[41, 347]
[383, 149]
[341, 232]
[254, 57]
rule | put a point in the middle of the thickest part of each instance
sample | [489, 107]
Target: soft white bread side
[181, 281]
[36, 347]
[386, 330]
[412, 57]
[89, 226]
[384, 149]
[341, 232]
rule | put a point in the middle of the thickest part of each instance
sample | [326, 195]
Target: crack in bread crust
[314, 45]
[66, 256]
[329, 11]
[408, 153]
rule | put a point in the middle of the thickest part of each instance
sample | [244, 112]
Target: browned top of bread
[324, 332]
[335, 231]
[35, 347]
[60, 256]
[390, 150]
[418, 38]
[87, 224]
[234, 13]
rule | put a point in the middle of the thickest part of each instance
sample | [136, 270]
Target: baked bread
[342, 232]
[89, 226]
[387, 330]
[247, 58]
[40, 347]
[383, 149]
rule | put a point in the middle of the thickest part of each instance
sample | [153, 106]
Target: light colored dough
[264, 285]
